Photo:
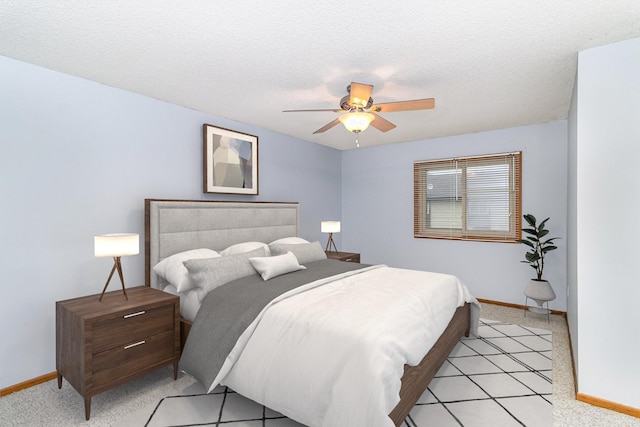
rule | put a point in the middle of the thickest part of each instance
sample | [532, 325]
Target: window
[469, 198]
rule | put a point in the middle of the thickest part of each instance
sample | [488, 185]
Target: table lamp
[330, 227]
[116, 246]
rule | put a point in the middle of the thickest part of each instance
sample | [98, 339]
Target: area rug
[501, 378]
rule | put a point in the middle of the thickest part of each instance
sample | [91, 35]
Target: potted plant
[539, 244]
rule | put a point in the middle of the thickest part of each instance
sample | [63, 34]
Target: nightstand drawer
[131, 327]
[344, 256]
[127, 360]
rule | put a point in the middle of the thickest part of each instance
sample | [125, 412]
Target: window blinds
[469, 198]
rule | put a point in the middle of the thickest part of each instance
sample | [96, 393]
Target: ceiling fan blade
[302, 111]
[359, 94]
[416, 104]
[327, 126]
[381, 124]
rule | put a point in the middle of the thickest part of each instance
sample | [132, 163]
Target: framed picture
[230, 161]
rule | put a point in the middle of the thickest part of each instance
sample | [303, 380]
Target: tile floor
[502, 378]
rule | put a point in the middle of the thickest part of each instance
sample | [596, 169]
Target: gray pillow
[210, 273]
[304, 252]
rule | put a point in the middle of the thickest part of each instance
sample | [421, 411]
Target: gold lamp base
[116, 266]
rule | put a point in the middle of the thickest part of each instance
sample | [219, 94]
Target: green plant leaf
[542, 224]
[527, 242]
[532, 257]
[530, 219]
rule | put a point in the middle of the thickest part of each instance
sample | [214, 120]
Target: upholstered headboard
[173, 226]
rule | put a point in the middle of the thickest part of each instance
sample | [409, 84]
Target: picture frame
[230, 161]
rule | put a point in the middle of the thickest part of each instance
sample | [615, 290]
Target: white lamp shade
[356, 122]
[114, 245]
[330, 226]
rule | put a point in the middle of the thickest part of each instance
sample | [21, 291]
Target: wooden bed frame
[415, 379]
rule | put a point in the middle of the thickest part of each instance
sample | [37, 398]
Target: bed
[178, 226]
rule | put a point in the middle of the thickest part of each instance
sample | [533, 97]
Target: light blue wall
[77, 159]
[607, 159]
[377, 203]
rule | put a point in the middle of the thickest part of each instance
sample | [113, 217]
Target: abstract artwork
[230, 161]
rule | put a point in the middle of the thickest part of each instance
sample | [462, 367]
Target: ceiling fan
[359, 111]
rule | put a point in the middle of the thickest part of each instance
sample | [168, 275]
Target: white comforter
[333, 355]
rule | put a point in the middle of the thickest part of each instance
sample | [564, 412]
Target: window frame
[514, 216]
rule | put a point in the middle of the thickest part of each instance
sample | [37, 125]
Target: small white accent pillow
[239, 248]
[208, 274]
[290, 241]
[173, 270]
[270, 267]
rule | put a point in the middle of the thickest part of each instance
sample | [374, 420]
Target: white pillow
[239, 248]
[270, 267]
[173, 270]
[290, 241]
[208, 274]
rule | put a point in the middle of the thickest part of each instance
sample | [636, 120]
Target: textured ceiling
[489, 64]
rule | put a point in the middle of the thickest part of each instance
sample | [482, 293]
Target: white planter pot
[540, 291]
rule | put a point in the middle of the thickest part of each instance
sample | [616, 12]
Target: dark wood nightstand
[100, 345]
[343, 256]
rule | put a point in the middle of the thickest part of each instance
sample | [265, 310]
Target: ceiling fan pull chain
[357, 142]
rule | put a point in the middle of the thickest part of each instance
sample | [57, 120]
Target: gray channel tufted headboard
[173, 226]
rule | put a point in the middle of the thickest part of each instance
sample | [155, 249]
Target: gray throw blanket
[228, 310]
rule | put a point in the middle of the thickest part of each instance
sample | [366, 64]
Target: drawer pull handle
[126, 316]
[134, 344]
[348, 260]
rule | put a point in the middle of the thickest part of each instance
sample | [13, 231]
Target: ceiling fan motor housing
[345, 104]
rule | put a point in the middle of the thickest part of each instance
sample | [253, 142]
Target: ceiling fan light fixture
[356, 121]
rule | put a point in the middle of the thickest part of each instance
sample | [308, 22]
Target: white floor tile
[534, 343]
[534, 382]
[237, 407]
[427, 397]
[501, 385]
[507, 363]
[547, 373]
[448, 370]
[482, 413]
[462, 350]
[188, 409]
[244, 424]
[486, 331]
[533, 411]
[474, 365]
[534, 360]
[281, 422]
[450, 389]
[538, 331]
[508, 345]
[433, 415]
[513, 330]
[481, 347]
